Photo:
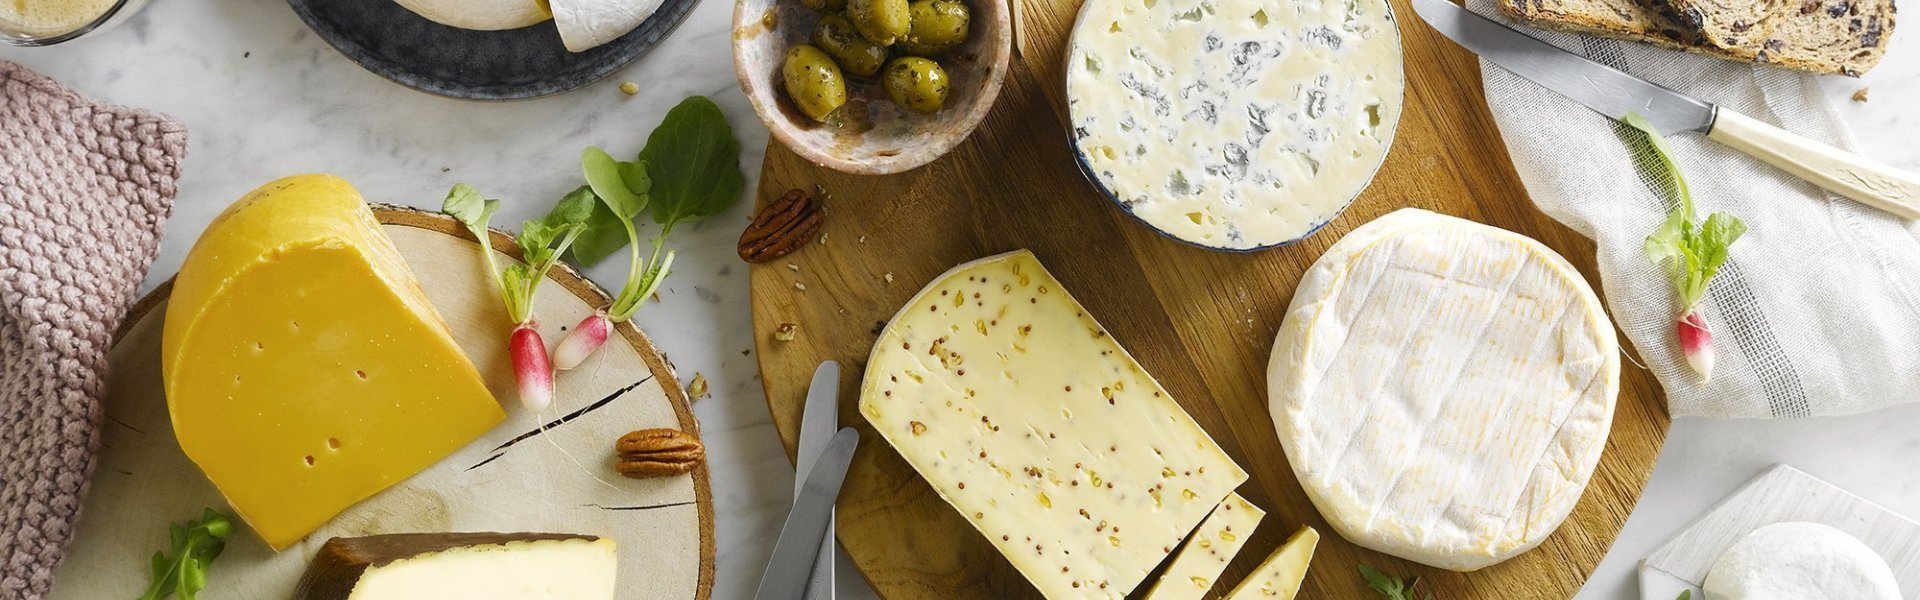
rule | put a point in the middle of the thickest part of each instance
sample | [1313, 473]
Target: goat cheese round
[1800, 561]
[1443, 389]
[1233, 124]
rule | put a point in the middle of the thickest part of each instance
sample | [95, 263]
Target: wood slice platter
[1201, 322]
[515, 478]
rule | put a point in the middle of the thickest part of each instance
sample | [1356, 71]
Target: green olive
[826, 6]
[836, 35]
[938, 26]
[813, 81]
[881, 21]
[916, 83]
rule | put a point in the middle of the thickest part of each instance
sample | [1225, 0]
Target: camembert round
[1443, 389]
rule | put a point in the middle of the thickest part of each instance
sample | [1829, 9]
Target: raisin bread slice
[1650, 21]
[1824, 36]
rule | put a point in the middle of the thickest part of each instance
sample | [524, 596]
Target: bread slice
[1807, 38]
[1824, 36]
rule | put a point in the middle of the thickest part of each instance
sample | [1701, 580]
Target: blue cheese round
[1234, 124]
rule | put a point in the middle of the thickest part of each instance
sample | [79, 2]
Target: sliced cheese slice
[461, 566]
[585, 24]
[1207, 552]
[304, 368]
[1037, 426]
[1279, 577]
[480, 15]
[1443, 388]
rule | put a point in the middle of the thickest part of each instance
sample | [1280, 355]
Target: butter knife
[1615, 94]
[821, 415]
[793, 555]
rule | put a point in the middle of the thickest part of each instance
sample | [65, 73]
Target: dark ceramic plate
[529, 62]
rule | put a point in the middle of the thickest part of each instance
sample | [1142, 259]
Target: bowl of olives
[871, 87]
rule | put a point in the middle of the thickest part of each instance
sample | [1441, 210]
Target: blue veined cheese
[1233, 124]
[1040, 429]
[1443, 389]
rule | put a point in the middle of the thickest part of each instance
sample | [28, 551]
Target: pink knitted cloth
[84, 190]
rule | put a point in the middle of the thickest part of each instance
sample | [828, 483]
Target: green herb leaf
[608, 178]
[1390, 587]
[1685, 595]
[1691, 255]
[621, 189]
[193, 546]
[693, 162]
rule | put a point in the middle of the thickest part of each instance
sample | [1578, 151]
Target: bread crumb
[786, 332]
[697, 389]
[1860, 95]
[629, 88]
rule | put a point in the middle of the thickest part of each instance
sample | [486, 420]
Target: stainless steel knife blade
[1599, 87]
[793, 555]
[817, 422]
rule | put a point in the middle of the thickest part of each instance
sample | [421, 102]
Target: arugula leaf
[1693, 256]
[194, 545]
[1390, 587]
[694, 163]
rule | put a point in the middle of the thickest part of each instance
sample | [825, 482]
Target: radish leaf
[1692, 254]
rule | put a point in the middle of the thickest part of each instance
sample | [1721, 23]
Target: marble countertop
[263, 97]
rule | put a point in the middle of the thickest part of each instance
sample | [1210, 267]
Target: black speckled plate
[516, 64]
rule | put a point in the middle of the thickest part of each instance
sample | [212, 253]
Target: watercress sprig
[182, 570]
[1391, 587]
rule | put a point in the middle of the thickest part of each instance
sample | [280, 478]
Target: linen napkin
[1817, 310]
[84, 190]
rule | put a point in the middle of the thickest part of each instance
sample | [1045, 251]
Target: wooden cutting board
[1200, 321]
[514, 478]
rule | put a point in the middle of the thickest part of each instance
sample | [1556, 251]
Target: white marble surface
[262, 97]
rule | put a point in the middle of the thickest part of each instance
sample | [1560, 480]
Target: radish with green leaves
[690, 168]
[541, 243]
[1692, 255]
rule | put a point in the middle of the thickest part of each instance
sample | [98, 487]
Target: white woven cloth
[1817, 311]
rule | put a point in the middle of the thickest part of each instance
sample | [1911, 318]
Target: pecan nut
[791, 221]
[658, 453]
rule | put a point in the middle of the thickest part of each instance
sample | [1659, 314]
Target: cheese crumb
[697, 389]
[629, 88]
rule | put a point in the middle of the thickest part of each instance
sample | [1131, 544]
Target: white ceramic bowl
[869, 135]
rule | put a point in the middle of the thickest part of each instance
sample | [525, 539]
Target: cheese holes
[309, 460]
[360, 374]
[333, 443]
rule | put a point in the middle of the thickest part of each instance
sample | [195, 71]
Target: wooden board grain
[1201, 322]
[508, 480]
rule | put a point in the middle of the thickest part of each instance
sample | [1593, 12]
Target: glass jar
[49, 22]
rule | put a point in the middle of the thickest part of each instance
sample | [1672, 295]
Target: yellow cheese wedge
[1279, 577]
[1208, 551]
[304, 368]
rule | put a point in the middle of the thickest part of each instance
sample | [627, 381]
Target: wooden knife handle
[1844, 173]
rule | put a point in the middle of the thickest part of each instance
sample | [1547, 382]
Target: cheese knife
[817, 421]
[793, 555]
[1615, 94]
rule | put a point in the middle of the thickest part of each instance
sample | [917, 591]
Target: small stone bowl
[869, 135]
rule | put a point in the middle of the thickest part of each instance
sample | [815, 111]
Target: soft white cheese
[1800, 561]
[572, 569]
[1208, 551]
[1040, 429]
[482, 15]
[1279, 577]
[1234, 124]
[585, 24]
[1443, 389]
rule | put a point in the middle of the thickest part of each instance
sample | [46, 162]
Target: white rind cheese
[1800, 561]
[480, 15]
[586, 24]
[1208, 551]
[1234, 124]
[1443, 389]
[1279, 577]
[1040, 429]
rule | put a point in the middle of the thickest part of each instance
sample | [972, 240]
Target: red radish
[531, 369]
[541, 242]
[1697, 343]
[1692, 255]
[580, 343]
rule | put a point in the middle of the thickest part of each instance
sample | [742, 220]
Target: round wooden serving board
[512, 479]
[1201, 322]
